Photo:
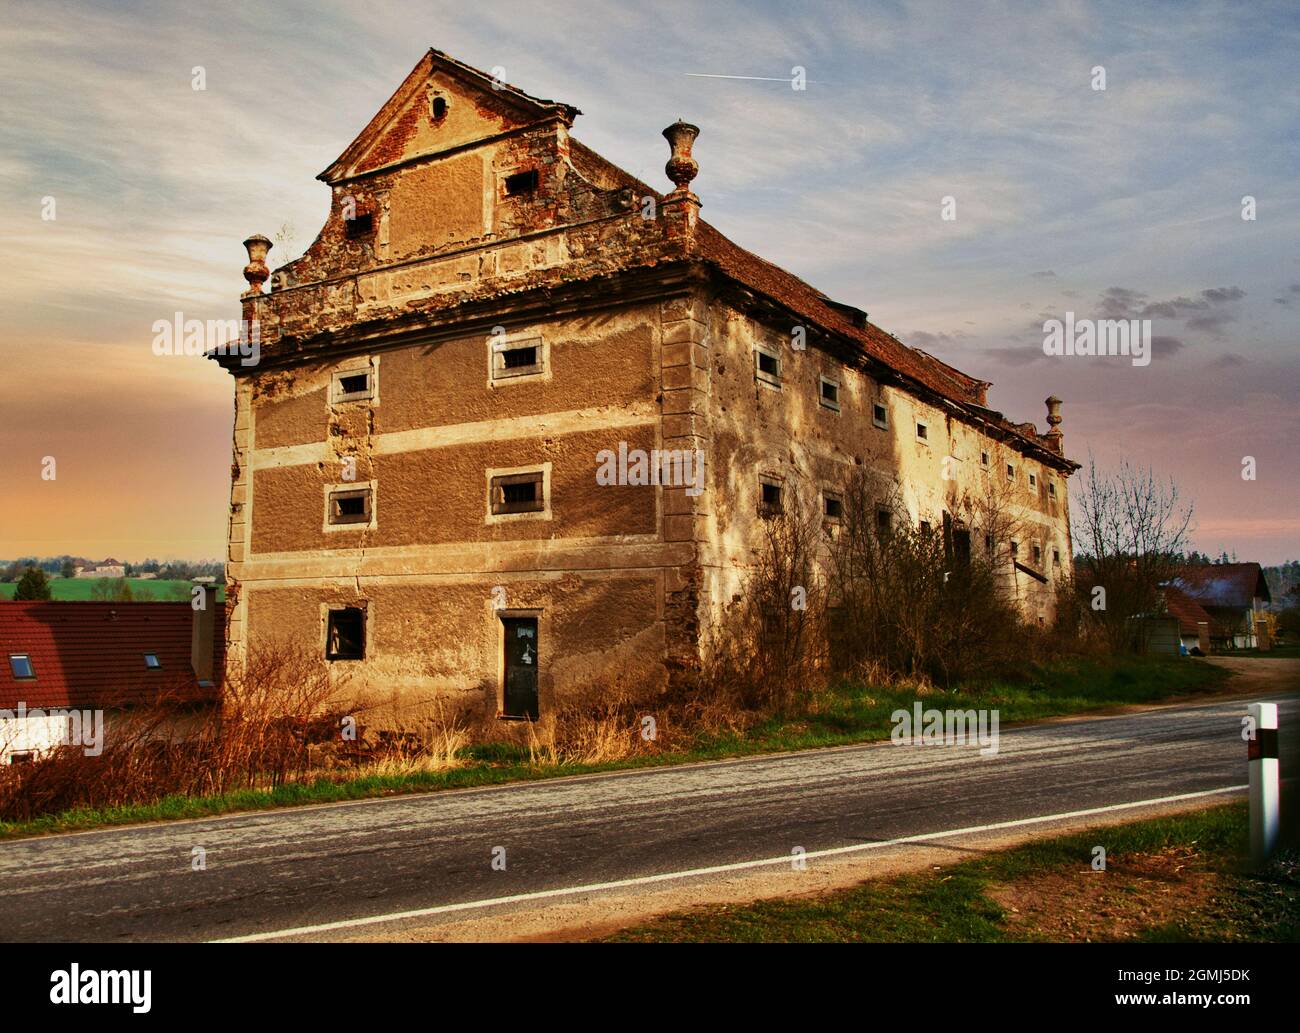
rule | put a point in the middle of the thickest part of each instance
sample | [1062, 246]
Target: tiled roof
[91, 654]
[802, 298]
[1224, 584]
[1188, 611]
[792, 292]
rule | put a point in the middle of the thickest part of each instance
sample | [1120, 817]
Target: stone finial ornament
[1054, 435]
[256, 272]
[681, 167]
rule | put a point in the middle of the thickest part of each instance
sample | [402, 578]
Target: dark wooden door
[521, 666]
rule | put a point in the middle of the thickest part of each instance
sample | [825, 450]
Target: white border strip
[645, 880]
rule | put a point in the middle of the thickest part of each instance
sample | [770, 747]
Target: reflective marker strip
[1263, 746]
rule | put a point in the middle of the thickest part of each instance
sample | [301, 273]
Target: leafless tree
[1131, 531]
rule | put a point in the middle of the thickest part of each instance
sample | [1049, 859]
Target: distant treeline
[66, 566]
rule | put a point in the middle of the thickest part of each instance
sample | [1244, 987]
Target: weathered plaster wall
[787, 434]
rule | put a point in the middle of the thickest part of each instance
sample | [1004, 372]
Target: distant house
[61, 660]
[1194, 622]
[109, 568]
[1232, 594]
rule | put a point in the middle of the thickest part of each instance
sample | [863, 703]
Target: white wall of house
[32, 735]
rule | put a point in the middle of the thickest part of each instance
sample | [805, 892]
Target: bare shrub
[271, 710]
[918, 601]
[770, 643]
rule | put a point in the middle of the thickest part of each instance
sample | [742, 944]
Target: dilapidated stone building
[438, 461]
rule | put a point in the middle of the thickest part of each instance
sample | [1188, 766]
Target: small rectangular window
[925, 527]
[20, 666]
[1015, 548]
[518, 493]
[1038, 555]
[1056, 557]
[521, 183]
[884, 520]
[830, 394]
[767, 367]
[1011, 472]
[345, 637]
[356, 384]
[769, 499]
[988, 543]
[353, 385]
[1051, 489]
[1033, 480]
[350, 507]
[360, 225]
[984, 459]
[152, 662]
[517, 358]
[22, 757]
[880, 416]
[922, 431]
[832, 506]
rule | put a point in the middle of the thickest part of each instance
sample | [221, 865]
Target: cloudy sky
[1122, 202]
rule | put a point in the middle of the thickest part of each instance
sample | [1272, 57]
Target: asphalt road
[286, 869]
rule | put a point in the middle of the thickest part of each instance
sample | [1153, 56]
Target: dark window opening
[360, 225]
[925, 527]
[518, 493]
[355, 384]
[879, 415]
[922, 431]
[833, 508]
[515, 358]
[884, 521]
[961, 546]
[1056, 557]
[1051, 489]
[984, 459]
[521, 183]
[1011, 472]
[350, 507]
[25, 757]
[1033, 481]
[1038, 555]
[1015, 548]
[152, 662]
[770, 498]
[830, 394]
[988, 542]
[20, 666]
[346, 634]
[768, 365]
[439, 108]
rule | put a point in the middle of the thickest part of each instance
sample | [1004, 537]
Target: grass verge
[1175, 879]
[844, 714]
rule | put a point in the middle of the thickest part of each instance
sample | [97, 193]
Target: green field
[73, 589]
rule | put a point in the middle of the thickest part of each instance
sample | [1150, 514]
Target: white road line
[646, 880]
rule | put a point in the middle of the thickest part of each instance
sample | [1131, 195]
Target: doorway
[520, 667]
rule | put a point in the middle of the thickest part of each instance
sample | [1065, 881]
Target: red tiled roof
[1188, 611]
[91, 654]
[1224, 584]
[800, 297]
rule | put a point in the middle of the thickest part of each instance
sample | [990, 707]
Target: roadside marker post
[1261, 751]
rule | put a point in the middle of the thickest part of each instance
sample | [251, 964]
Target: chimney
[1055, 439]
[204, 604]
[681, 207]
